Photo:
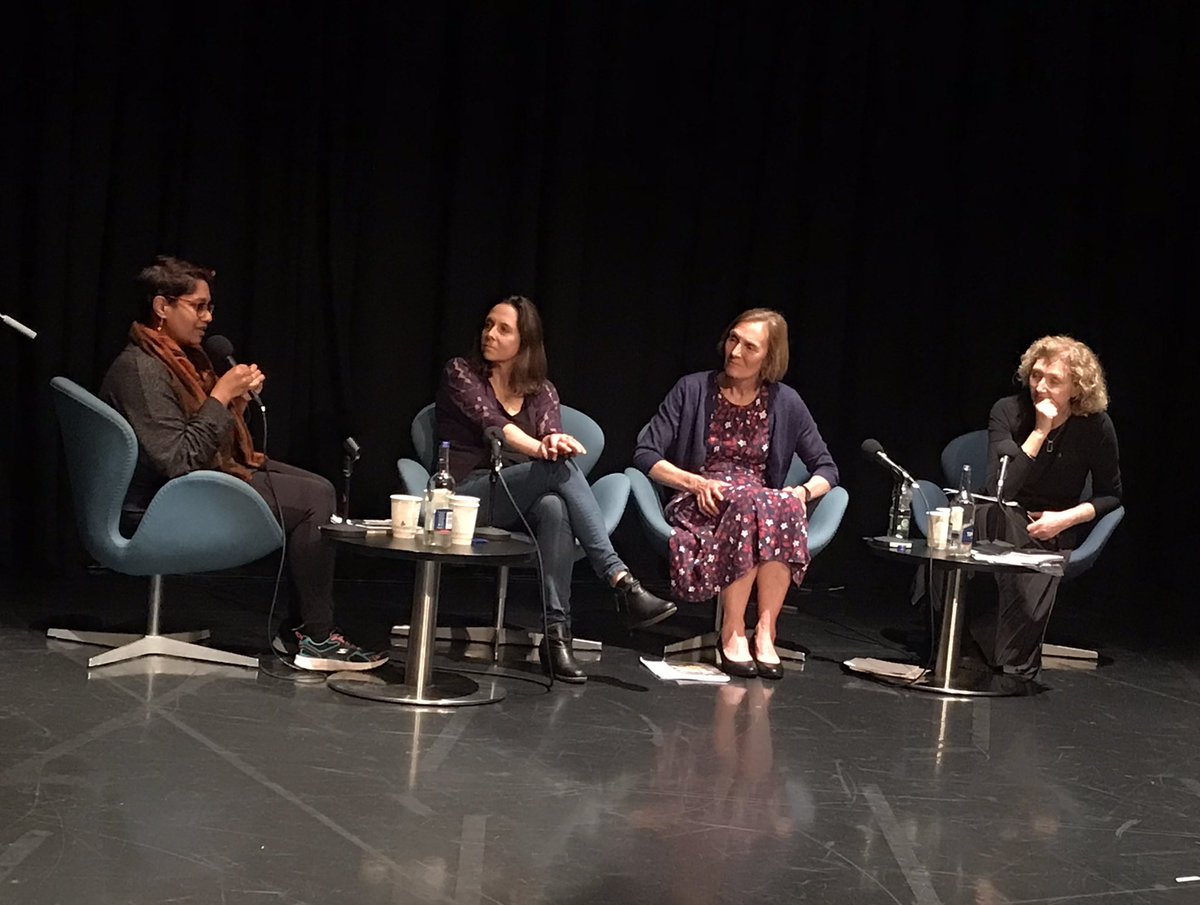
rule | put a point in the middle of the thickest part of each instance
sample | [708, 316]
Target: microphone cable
[282, 548]
[541, 569]
[493, 670]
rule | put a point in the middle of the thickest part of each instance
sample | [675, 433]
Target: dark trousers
[1007, 613]
[304, 500]
[1010, 619]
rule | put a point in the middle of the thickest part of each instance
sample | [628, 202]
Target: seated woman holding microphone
[502, 384]
[724, 440]
[187, 419]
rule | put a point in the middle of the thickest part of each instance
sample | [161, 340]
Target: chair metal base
[127, 647]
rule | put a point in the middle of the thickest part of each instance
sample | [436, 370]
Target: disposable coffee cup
[465, 511]
[406, 510]
[938, 534]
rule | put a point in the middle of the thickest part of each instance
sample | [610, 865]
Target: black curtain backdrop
[922, 188]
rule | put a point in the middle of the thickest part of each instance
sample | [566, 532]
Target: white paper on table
[1019, 558]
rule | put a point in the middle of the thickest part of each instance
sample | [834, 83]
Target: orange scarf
[192, 379]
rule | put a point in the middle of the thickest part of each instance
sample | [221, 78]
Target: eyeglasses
[201, 308]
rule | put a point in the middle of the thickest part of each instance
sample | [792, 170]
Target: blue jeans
[560, 506]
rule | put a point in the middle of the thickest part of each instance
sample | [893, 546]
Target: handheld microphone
[495, 438]
[220, 349]
[873, 450]
[18, 326]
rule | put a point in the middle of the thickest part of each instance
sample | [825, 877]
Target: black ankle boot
[639, 607]
[557, 656]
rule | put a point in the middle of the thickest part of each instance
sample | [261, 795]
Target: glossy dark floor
[167, 781]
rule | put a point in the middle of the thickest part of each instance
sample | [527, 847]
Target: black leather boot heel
[557, 656]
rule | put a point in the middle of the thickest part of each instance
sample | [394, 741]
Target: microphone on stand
[495, 438]
[873, 450]
[1008, 450]
[218, 348]
[899, 520]
[351, 454]
[18, 326]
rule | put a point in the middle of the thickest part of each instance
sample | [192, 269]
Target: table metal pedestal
[948, 676]
[422, 684]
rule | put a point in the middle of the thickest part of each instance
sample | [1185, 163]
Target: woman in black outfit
[1064, 434]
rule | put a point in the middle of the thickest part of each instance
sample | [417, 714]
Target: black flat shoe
[739, 669]
[557, 656]
[638, 606]
[768, 670]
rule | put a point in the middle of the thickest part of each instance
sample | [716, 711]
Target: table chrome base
[969, 683]
[495, 634]
[447, 689]
[496, 637]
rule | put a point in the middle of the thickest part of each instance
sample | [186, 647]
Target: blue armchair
[825, 515]
[612, 495]
[971, 449]
[201, 522]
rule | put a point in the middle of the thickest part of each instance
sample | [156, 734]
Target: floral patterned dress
[754, 523]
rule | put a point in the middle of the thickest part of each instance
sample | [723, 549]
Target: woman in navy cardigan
[724, 440]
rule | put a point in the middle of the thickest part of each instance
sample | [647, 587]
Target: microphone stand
[493, 477]
[352, 455]
[1016, 523]
[344, 528]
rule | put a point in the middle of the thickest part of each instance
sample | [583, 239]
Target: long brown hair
[529, 369]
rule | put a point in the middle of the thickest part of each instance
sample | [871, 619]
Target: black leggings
[305, 500]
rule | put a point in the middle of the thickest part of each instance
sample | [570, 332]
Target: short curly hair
[170, 277]
[1086, 373]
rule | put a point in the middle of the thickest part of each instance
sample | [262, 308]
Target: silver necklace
[1052, 436]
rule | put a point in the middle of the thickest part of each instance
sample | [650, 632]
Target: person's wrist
[807, 493]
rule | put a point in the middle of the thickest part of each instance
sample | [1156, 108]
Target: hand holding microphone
[238, 379]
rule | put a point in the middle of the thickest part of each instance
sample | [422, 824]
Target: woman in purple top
[724, 440]
[502, 384]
